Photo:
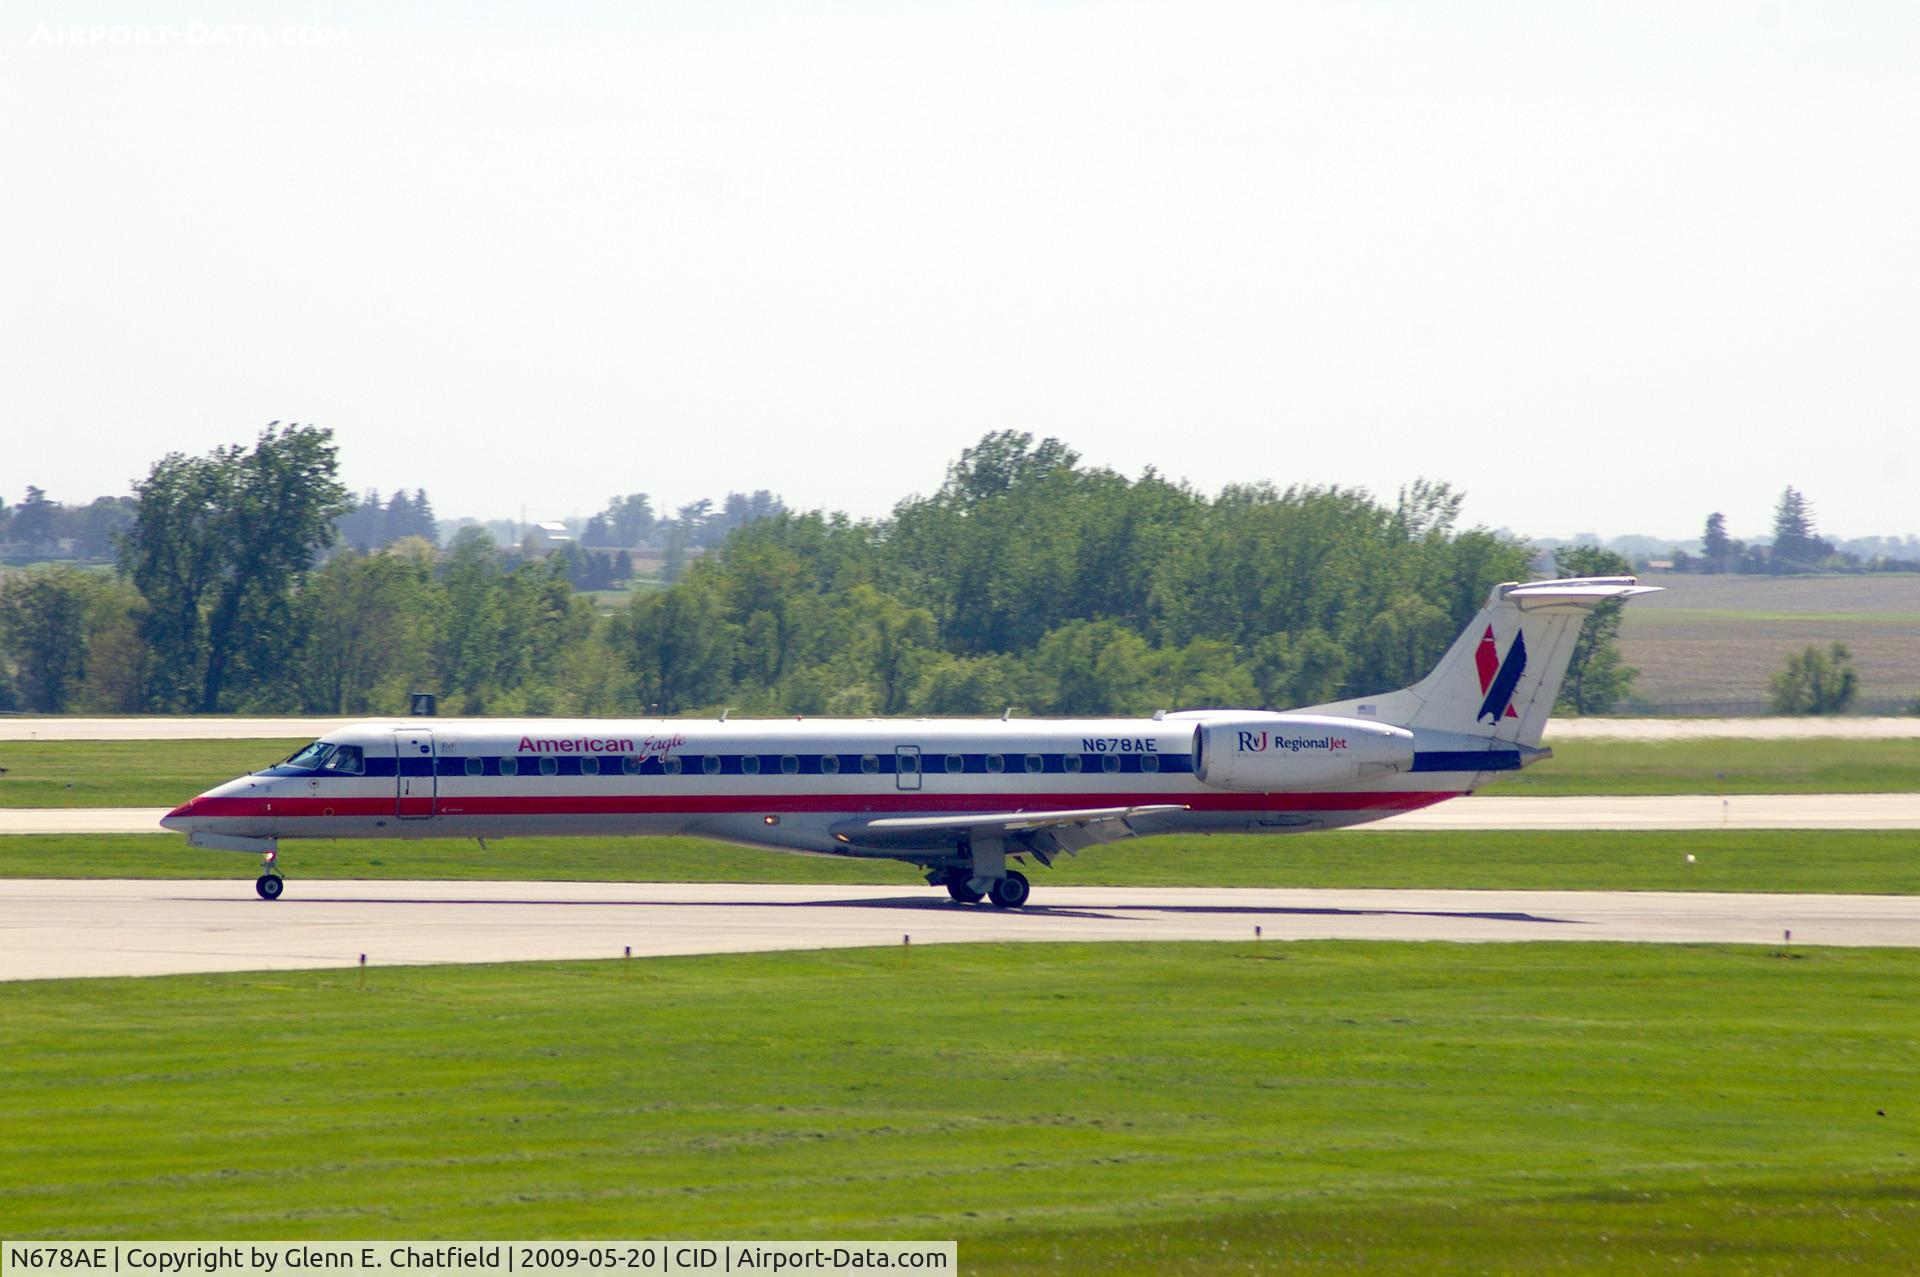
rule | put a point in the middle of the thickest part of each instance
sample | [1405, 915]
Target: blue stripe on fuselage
[1467, 760]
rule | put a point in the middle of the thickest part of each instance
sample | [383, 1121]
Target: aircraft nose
[179, 819]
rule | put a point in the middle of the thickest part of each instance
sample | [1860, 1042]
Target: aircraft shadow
[924, 904]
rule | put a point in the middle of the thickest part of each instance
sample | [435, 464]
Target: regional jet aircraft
[959, 798]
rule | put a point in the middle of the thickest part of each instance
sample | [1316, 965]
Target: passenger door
[906, 767]
[416, 786]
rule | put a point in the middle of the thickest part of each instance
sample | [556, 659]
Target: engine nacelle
[1296, 751]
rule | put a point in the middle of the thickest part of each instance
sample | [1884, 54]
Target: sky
[1603, 267]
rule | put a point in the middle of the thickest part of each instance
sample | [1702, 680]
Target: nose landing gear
[269, 884]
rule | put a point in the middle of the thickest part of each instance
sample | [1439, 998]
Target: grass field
[1708, 638]
[1827, 765]
[161, 773]
[1879, 862]
[165, 773]
[1308, 1107]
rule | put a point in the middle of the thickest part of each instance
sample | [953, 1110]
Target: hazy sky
[1605, 266]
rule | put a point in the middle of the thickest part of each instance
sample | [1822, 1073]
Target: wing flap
[1082, 826]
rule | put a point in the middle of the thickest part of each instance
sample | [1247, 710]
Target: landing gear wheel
[1011, 891]
[269, 886]
[957, 888]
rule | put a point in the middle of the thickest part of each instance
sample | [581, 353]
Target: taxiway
[117, 927]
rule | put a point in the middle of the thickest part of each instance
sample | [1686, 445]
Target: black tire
[1011, 891]
[957, 888]
[269, 886]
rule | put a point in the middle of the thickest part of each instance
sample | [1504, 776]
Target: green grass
[1868, 861]
[100, 773]
[1824, 765]
[1312, 1107]
[165, 773]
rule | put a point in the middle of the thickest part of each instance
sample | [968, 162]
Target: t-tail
[1499, 680]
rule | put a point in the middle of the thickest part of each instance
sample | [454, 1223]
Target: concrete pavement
[57, 928]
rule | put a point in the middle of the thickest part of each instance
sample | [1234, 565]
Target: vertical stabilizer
[1500, 678]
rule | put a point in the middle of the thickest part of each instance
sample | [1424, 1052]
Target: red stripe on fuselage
[853, 804]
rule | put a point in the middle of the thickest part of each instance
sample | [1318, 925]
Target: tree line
[1027, 580]
[1797, 546]
[38, 526]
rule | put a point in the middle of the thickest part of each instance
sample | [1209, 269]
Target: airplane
[962, 799]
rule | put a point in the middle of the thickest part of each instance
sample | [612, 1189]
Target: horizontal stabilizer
[1580, 593]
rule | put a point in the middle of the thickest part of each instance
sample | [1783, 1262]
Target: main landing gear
[1009, 892]
[269, 884]
[960, 887]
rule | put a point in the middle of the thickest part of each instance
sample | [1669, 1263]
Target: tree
[34, 521]
[1596, 676]
[1796, 547]
[467, 656]
[43, 623]
[101, 525]
[1296, 670]
[425, 526]
[1716, 549]
[628, 521]
[369, 623]
[363, 523]
[678, 647]
[1816, 682]
[218, 545]
[1097, 667]
[1404, 638]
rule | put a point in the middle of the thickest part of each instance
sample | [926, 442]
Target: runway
[217, 727]
[59, 928]
[1681, 811]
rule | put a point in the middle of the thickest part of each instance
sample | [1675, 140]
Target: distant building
[549, 536]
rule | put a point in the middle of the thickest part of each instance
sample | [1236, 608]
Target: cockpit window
[348, 760]
[312, 758]
[340, 760]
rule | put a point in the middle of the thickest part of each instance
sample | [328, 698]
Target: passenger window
[476, 766]
[509, 767]
[829, 764]
[869, 763]
[1036, 763]
[549, 767]
[630, 765]
[750, 764]
[790, 765]
[1149, 762]
[671, 766]
[1069, 762]
[589, 767]
[908, 763]
[956, 762]
[710, 764]
[1111, 762]
[996, 762]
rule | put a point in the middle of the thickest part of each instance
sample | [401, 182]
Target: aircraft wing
[1064, 830]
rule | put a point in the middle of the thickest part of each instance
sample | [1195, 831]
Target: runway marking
[56, 928]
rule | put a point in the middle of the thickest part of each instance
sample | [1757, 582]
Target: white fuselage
[800, 785]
